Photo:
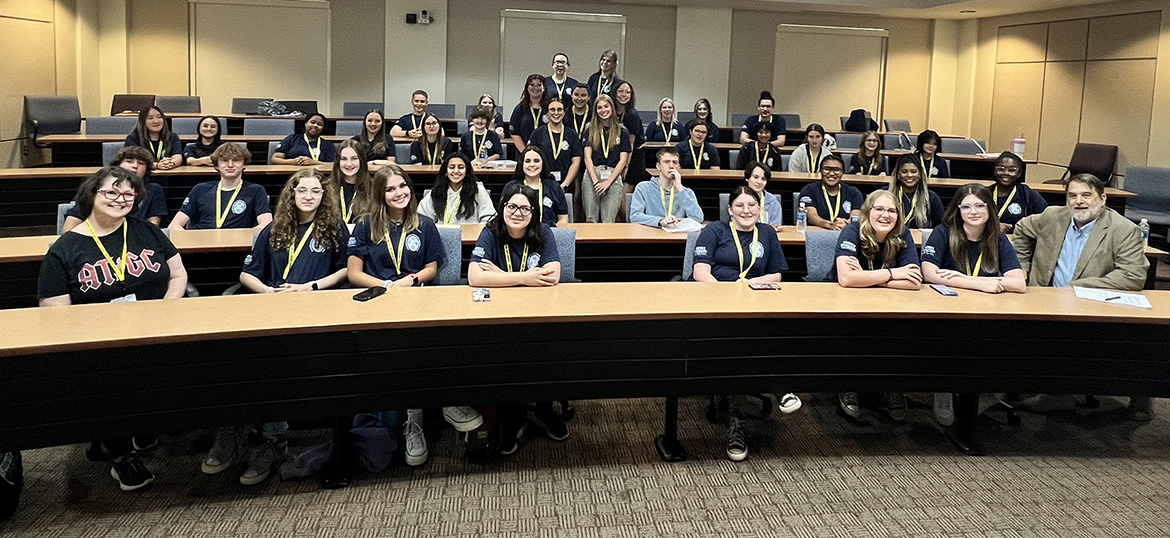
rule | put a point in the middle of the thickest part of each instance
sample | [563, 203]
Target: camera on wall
[423, 17]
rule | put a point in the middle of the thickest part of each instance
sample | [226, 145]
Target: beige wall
[157, 47]
[28, 65]
[700, 72]
[358, 51]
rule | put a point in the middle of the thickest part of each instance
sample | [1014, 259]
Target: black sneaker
[552, 424]
[11, 483]
[736, 444]
[849, 404]
[510, 442]
[130, 473]
[896, 406]
[142, 444]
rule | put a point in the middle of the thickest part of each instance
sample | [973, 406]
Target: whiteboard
[529, 39]
[824, 72]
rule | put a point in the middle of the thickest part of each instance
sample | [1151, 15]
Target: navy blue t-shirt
[199, 206]
[939, 167]
[849, 244]
[615, 152]
[423, 246]
[521, 123]
[313, 262]
[481, 146]
[132, 140]
[872, 169]
[851, 199]
[372, 155]
[487, 247]
[568, 141]
[934, 212]
[152, 204]
[410, 122]
[1023, 203]
[633, 124]
[417, 156]
[687, 152]
[937, 250]
[716, 247]
[553, 202]
[562, 92]
[752, 125]
[295, 145]
[656, 132]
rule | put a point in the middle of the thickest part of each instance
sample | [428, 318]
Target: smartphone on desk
[369, 293]
[764, 286]
[944, 290]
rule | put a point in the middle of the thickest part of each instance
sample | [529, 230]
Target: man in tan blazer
[1084, 244]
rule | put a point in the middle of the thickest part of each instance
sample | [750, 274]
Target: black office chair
[51, 114]
[130, 102]
[1097, 159]
[307, 107]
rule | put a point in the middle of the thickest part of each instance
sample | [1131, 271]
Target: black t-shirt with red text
[74, 265]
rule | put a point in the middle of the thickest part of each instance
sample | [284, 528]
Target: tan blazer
[1114, 256]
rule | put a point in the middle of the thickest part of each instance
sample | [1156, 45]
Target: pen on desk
[1114, 298]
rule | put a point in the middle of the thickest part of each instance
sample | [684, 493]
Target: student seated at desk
[808, 156]
[151, 206]
[351, 175]
[199, 153]
[833, 202]
[432, 145]
[307, 148]
[666, 128]
[921, 207]
[533, 172]
[112, 258]
[229, 202]
[696, 153]
[607, 153]
[759, 150]
[562, 144]
[379, 147]
[463, 198]
[933, 165]
[481, 144]
[559, 85]
[877, 250]
[1014, 200]
[530, 113]
[968, 251]
[779, 127]
[605, 81]
[497, 124]
[703, 115]
[664, 203]
[582, 108]
[411, 125]
[515, 249]
[757, 175]
[154, 134]
[869, 160]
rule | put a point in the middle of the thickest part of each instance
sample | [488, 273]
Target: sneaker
[736, 445]
[510, 443]
[463, 418]
[223, 452]
[789, 403]
[262, 461]
[944, 408]
[130, 473]
[1140, 409]
[849, 404]
[552, 424]
[142, 444]
[416, 444]
[896, 406]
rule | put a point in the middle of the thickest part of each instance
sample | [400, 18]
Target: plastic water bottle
[802, 217]
[1145, 227]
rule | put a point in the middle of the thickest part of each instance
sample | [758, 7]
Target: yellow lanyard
[315, 153]
[293, 253]
[580, 127]
[560, 87]
[345, 212]
[414, 122]
[739, 249]
[401, 241]
[763, 212]
[556, 150]
[662, 195]
[535, 116]
[813, 163]
[870, 262]
[978, 265]
[540, 200]
[479, 145]
[435, 154]
[834, 210]
[925, 168]
[1005, 202]
[120, 268]
[666, 129]
[221, 215]
[158, 152]
[696, 158]
[913, 204]
[452, 207]
[523, 257]
[767, 150]
[605, 146]
[872, 165]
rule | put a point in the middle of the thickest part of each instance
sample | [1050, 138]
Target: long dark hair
[440, 139]
[525, 102]
[545, 169]
[863, 162]
[164, 136]
[532, 236]
[927, 136]
[217, 139]
[988, 244]
[378, 145]
[467, 192]
[626, 107]
[921, 211]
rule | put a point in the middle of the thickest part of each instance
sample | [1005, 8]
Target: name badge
[604, 172]
[557, 175]
[126, 299]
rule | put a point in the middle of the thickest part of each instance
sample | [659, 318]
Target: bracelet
[267, 289]
[891, 273]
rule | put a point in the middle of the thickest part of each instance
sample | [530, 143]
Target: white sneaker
[463, 418]
[416, 444]
[223, 452]
[944, 408]
[789, 403]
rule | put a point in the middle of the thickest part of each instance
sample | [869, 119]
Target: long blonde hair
[869, 243]
[666, 124]
[379, 213]
[597, 126]
[286, 218]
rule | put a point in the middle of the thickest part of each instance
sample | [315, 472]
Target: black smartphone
[369, 293]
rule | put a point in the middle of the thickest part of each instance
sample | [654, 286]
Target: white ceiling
[918, 9]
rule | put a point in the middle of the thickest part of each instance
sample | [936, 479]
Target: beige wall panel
[699, 72]
[27, 64]
[157, 43]
[1124, 36]
[1024, 43]
[1060, 119]
[854, 78]
[1121, 118]
[1067, 40]
[1017, 96]
[41, 10]
[65, 41]
[359, 59]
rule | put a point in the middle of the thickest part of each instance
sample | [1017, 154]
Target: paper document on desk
[685, 226]
[1113, 297]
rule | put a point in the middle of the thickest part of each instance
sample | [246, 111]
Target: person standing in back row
[559, 86]
[605, 81]
[531, 112]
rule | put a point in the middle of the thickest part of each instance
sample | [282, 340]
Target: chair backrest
[684, 117]
[964, 146]
[925, 237]
[819, 247]
[349, 127]
[190, 126]
[648, 116]
[179, 103]
[688, 268]
[848, 140]
[110, 125]
[848, 158]
[892, 141]
[791, 121]
[452, 264]
[732, 158]
[897, 124]
[569, 201]
[567, 249]
[110, 150]
[1096, 159]
[724, 209]
[272, 149]
[359, 108]
[269, 126]
[247, 105]
[461, 127]
[130, 102]
[52, 114]
[306, 107]
[739, 119]
[442, 110]
[784, 162]
[1151, 184]
[402, 153]
[61, 210]
[843, 120]
[796, 205]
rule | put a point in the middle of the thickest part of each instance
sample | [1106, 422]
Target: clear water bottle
[802, 216]
[1145, 227]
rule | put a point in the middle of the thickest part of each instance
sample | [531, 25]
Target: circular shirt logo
[239, 207]
[413, 243]
[414, 158]
[674, 132]
[544, 118]
[487, 144]
[847, 206]
[769, 162]
[547, 201]
[757, 249]
[706, 157]
[313, 246]
[1015, 208]
[534, 261]
[564, 145]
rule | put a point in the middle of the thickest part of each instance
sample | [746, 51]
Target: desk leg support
[667, 445]
[338, 471]
[963, 434]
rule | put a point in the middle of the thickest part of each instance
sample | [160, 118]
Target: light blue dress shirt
[647, 207]
[1070, 253]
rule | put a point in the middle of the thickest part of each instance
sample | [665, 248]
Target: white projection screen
[825, 72]
[529, 39]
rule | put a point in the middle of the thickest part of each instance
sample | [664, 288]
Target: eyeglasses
[967, 208]
[112, 195]
[560, 62]
[833, 170]
[522, 210]
[312, 193]
[1009, 169]
[885, 210]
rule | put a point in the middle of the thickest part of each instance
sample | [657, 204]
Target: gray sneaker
[944, 408]
[849, 404]
[736, 444]
[416, 444]
[223, 452]
[262, 461]
[896, 406]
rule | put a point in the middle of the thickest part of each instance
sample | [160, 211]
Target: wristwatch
[315, 287]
